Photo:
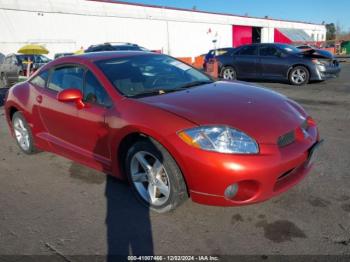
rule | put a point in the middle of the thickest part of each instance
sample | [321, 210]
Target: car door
[93, 137]
[272, 62]
[245, 61]
[58, 118]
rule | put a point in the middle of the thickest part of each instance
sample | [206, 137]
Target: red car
[168, 128]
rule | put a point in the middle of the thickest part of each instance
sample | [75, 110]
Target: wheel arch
[11, 111]
[225, 66]
[296, 65]
[132, 137]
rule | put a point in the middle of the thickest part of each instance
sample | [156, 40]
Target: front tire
[299, 76]
[229, 73]
[155, 176]
[23, 134]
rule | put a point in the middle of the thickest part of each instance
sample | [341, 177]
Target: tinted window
[40, 80]
[222, 52]
[94, 92]
[248, 50]
[136, 75]
[269, 51]
[126, 47]
[25, 58]
[66, 77]
[289, 48]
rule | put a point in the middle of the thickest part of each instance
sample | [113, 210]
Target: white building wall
[67, 25]
[267, 35]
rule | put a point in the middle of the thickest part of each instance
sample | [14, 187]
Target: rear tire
[154, 176]
[228, 73]
[23, 134]
[299, 76]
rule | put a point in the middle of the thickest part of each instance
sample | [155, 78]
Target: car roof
[104, 55]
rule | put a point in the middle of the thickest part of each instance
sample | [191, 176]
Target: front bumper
[326, 72]
[273, 171]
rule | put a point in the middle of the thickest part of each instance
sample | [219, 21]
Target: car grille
[289, 137]
[286, 139]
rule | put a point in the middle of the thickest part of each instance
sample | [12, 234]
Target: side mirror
[72, 95]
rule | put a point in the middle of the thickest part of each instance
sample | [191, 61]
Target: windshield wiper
[195, 83]
[154, 92]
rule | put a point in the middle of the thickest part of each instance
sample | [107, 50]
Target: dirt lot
[52, 206]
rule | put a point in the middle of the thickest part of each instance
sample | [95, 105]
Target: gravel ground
[52, 206]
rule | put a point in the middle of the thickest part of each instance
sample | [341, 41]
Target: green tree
[331, 31]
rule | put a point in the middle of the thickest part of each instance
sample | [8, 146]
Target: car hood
[317, 53]
[263, 114]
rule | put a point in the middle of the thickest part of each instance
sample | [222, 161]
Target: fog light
[231, 191]
[242, 191]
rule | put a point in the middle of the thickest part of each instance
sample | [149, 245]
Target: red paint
[281, 38]
[241, 35]
[93, 134]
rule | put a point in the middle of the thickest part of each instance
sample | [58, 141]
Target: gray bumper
[326, 72]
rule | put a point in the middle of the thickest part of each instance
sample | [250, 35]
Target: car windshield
[44, 59]
[144, 75]
[289, 49]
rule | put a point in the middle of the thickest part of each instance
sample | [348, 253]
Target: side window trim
[51, 70]
[46, 81]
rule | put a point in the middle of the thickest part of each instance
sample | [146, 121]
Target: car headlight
[220, 139]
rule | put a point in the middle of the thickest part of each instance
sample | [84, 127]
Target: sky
[301, 10]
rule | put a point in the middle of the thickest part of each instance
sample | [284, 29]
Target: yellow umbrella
[79, 52]
[33, 49]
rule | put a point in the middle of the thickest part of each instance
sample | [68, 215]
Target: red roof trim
[198, 11]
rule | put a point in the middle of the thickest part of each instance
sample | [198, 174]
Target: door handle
[39, 99]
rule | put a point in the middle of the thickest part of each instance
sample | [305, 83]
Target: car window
[289, 49]
[137, 75]
[40, 79]
[221, 52]
[66, 77]
[269, 51]
[248, 51]
[94, 92]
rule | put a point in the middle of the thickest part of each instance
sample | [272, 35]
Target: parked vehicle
[15, 65]
[115, 47]
[166, 127]
[277, 62]
[216, 52]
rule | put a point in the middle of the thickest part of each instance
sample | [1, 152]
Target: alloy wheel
[229, 74]
[299, 76]
[21, 133]
[150, 178]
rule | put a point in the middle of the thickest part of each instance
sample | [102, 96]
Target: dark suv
[115, 47]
